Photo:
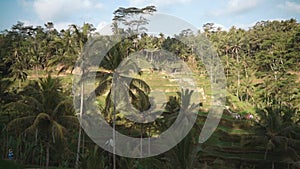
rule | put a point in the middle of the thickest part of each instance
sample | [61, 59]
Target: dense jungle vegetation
[261, 64]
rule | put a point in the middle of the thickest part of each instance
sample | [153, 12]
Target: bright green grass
[159, 81]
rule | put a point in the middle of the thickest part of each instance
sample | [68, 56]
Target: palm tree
[116, 68]
[19, 64]
[82, 38]
[114, 72]
[18, 72]
[279, 137]
[70, 45]
[184, 154]
[46, 112]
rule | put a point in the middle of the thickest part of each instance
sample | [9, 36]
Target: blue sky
[224, 13]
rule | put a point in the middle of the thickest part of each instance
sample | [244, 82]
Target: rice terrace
[123, 97]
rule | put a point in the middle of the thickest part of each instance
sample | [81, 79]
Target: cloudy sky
[224, 13]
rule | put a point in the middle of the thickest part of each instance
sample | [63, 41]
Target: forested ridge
[261, 65]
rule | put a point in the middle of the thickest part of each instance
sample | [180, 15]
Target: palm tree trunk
[238, 88]
[227, 69]
[238, 72]
[211, 70]
[47, 154]
[41, 155]
[32, 157]
[83, 140]
[149, 138]
[7, 139]
[80, 129]
[114, 132]
[266, 152]
[78, 148]
[141, 140]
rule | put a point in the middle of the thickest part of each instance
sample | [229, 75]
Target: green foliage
[262, 72]
[132, 18]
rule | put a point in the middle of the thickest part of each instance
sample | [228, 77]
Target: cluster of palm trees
[39, 122]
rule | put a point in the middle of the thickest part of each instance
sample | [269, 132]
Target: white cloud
[217, 25]
[58, 10]
[158, 3]
[29, 23]
[98, 5]
[235, 7]
[290, 6]
[62, 25]
[58, 25]
[104, 28]
[245, 26]
[101, 25]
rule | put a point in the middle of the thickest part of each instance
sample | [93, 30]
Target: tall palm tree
[83, 36]
[18, 73]
[116, 67]
[237, 41]
[18, 61]
[46, 112]
[115, 72]
[184, 154]
[279, 137]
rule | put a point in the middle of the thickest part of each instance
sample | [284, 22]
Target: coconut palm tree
[278, 136]
[184, 154]
[116, 67]
[46, 113]
[114, 74]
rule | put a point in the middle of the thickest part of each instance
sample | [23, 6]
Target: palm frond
[99, 75]
[58, 130]
[70, 121]
[21, 122]
[66, 103]
[127, 67]
[103, 87]
[18, 105]
[38, 119]
[34, 101]
[138, 83]
[108, 104]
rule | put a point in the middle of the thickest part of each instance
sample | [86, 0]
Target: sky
[223, 13]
